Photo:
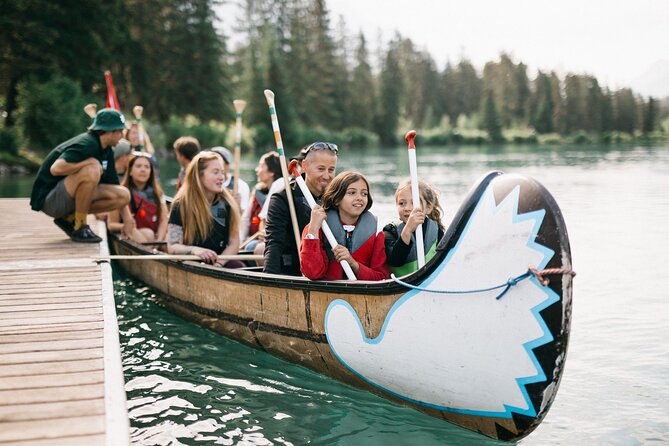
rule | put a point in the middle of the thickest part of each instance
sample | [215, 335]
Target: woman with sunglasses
[345, 206]
[147, 201]
[204, 220]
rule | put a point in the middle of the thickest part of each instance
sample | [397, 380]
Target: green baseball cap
[108, 120]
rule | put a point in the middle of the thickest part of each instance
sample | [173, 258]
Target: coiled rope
[531, 272]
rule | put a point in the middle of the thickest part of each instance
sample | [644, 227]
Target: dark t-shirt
[217, 239]
[81, 147]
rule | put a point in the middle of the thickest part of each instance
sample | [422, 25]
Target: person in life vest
[243, 191]
[345, 207]
[204, 220]
[270, 181]
[147, 201]
[400, 238]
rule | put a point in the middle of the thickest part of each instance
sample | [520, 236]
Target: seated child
[400, 238]
[147, 202]
[345, 206]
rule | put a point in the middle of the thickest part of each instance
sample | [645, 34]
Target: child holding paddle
[345, 206]
[400, 237]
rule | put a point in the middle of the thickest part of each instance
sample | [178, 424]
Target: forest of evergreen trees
[168, 56]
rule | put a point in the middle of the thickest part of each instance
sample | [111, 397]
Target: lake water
[187, 385]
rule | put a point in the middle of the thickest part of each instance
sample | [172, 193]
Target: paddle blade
[409, 137]
[112, 100]
[292, 168]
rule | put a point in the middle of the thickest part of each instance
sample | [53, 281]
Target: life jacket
[430, 240]
[221, 231]
[145, 210]
[257, 202]
[365, 228]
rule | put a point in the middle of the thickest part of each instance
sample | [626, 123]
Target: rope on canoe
[531, 272]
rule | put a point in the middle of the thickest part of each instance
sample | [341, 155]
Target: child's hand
[317, 218]
[341, 253]
[416, 218]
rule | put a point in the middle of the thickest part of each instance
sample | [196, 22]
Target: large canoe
[489, 360]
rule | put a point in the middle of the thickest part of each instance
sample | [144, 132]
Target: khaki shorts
[58, 202]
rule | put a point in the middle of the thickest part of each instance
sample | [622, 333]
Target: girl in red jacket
[345, 206]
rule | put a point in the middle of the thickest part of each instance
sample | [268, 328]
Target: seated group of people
[213, 212]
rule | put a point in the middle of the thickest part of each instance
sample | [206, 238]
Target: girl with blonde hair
[400, 237]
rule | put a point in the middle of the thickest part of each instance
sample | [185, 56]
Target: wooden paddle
[269, 95]
[91, 110]
[249, 240]
[138, 110]
[174, 257]
[415, 195]
[325, 227]
[239, 109]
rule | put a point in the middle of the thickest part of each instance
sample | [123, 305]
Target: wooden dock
[61, 380]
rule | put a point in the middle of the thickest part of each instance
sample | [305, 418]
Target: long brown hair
[337, 189]
[152, 181]
[194, 208]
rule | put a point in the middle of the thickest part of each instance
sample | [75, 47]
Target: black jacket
[281, 256]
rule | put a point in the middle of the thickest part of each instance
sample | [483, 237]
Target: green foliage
[51, 112]
[491, 119]
[359, 137]
[391, 86]
[208, 134]
[9, 141]
[167, 56]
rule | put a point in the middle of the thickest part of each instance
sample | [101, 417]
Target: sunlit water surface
[188, 385]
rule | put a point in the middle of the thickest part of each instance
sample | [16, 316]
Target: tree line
[169, 56]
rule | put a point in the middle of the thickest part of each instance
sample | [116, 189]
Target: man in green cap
[78, 177]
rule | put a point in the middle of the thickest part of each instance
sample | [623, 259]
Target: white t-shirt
[243, 189]
[277, 186]
[245, 193]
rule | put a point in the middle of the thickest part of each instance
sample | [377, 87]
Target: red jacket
[371, 256]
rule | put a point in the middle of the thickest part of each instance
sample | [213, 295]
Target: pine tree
[491, 120]
[387, 116]
[649, 116]
[363, 97]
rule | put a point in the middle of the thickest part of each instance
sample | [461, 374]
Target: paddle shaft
[138, 110]
[176, 257]
[269, 95]
[326, 228]
[239, 109]
[415, 196]
[249, 240]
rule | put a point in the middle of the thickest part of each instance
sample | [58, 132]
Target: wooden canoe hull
[296, 319]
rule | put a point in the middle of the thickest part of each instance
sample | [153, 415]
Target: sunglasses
[321, 146]
[142, 154]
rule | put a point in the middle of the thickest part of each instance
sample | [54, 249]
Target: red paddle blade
[409, 137]
[292, 168]
[112, 100]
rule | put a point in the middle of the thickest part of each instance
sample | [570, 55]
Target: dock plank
[61, 378]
